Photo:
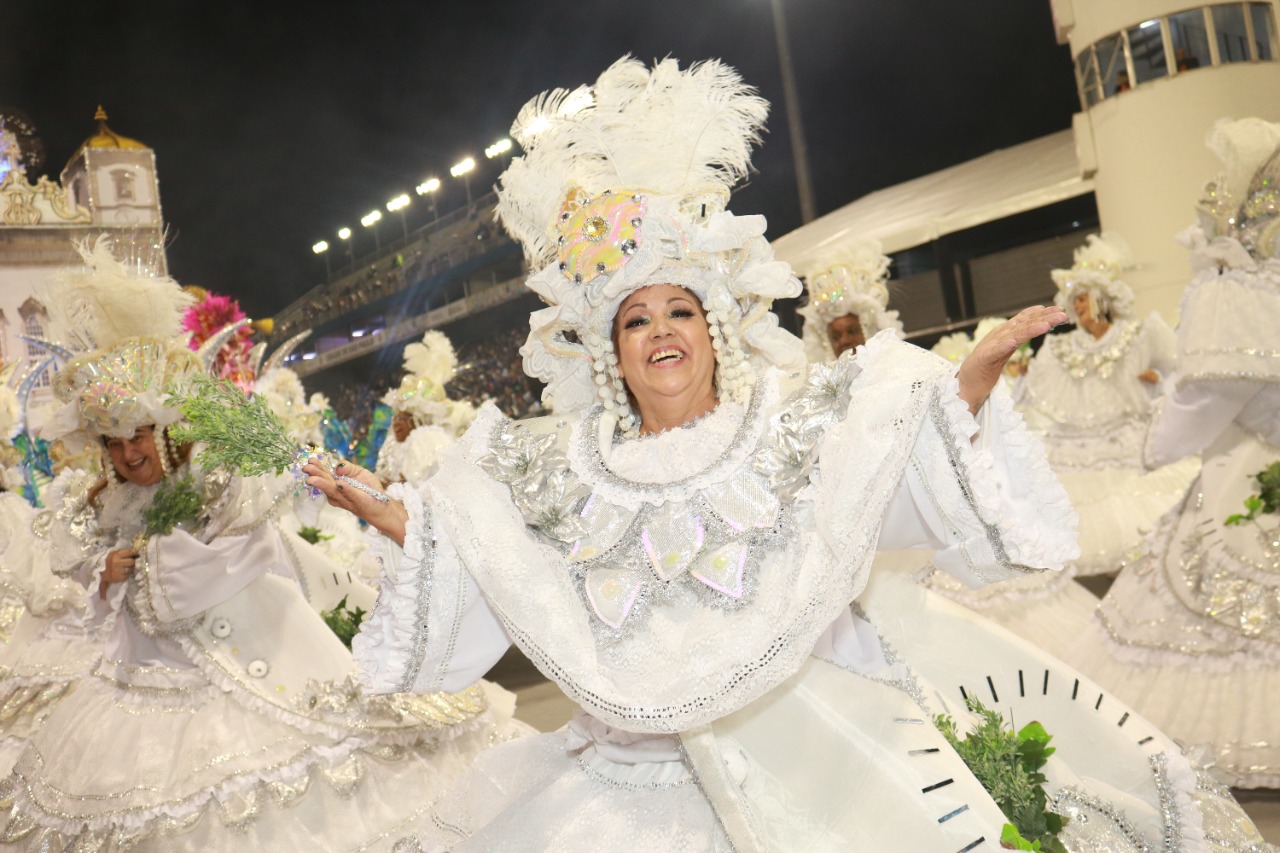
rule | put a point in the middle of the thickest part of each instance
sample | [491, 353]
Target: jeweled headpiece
[428, 367]
[1096, 270]
[1243, 202]
[624, 184]
[851, 280]
[127, 327]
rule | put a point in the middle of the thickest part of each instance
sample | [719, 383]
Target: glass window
[1190, 40]
[1264, 29]
[1112, 70]
[1088, 74]
[1146, 45]
[1232, 34]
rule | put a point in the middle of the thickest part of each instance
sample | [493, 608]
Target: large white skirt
[835, 760]
[1190, 634]
[158, 759]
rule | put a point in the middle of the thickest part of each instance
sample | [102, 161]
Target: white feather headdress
[849, 280]
[622, 185]
[126, 326]
[1095, 269]
[429, 366]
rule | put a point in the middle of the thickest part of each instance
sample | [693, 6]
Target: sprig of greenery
[175, 502]
[314, 535]
[240, 433]
[1008, 766]
[1266, 501]
[343, 622]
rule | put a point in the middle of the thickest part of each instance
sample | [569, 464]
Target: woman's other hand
[336, 485]
[979, 372]
[120, 566]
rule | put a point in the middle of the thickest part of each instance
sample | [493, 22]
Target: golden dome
[107, 138]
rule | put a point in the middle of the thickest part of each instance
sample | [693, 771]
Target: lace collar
[674, 464]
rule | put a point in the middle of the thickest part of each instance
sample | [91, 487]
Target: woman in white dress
[681, 556]
[1190, 633]
[224, 714]
[1089, 395]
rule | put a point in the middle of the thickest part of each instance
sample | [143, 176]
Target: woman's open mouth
[668, 355]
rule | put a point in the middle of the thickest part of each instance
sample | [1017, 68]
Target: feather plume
[1242, 146]
[666, 132]
[107, 303]
[433, 358]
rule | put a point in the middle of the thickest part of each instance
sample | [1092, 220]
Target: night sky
[276, 123]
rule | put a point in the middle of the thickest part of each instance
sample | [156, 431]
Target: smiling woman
[666, 356]
[694, 590]
[136, 459]
[209, 647]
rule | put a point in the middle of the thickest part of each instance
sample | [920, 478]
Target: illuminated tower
[1153, 77]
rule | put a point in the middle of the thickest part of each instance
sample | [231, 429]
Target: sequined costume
[47, 648]
[1083, 396]
[224, 713]
[1190, 633]
[691, 592]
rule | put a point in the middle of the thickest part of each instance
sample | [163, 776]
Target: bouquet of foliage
[176, 502]
[1008, 766]
[240, 434]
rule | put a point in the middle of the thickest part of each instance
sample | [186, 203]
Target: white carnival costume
[224, 714]
[46, 648]
[1190, 634]
[1083, 396]
[429, 365]
[852, 280]
[691, 590]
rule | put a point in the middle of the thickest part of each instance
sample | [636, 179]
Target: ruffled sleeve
[431, 629]
[982, 493]
[183, 577]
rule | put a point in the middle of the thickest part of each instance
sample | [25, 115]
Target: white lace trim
[672, 454]
[1047, 541]
[406, 734]
[288, 773]
[615, 474]
[385, 646]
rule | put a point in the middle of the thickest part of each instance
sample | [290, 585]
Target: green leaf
[314, 535]
[1011, 839]
[343, 622]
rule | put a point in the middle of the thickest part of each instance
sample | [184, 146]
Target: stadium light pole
[322, 249]
[463, 170]
[397, 205]
[799, 152]
[370, 220]
[428, 188]
[344, 234]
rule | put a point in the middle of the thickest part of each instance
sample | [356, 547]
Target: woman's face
[136, 459]
[402, 425]
[845, 333]
[1080, 302]
[663, 345]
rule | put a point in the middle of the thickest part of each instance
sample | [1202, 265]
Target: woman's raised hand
[979, 372]
[341, 485]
